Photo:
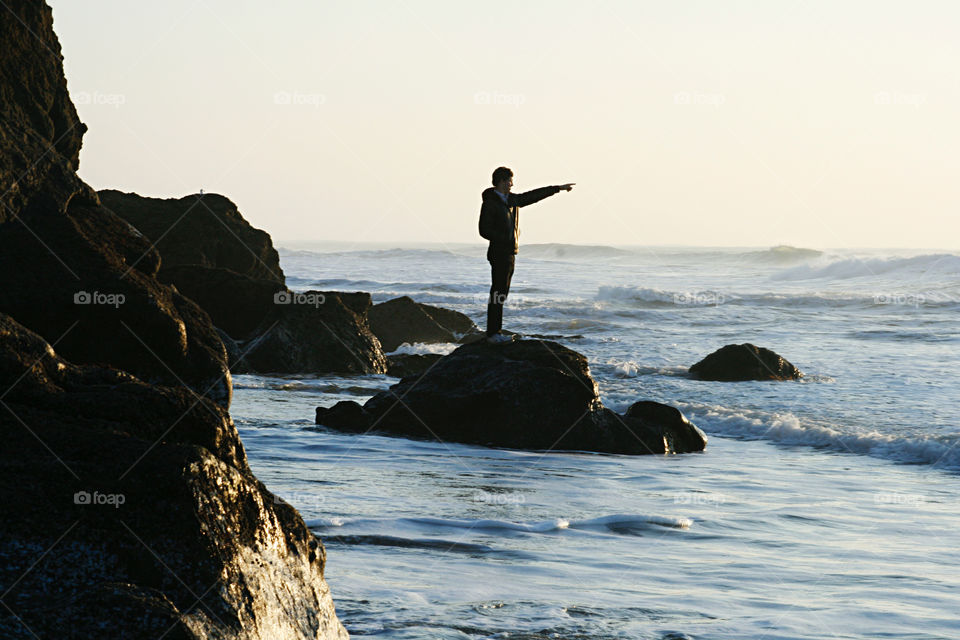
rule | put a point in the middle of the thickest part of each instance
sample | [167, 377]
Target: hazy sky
[812, 123]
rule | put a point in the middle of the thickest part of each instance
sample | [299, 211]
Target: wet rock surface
[525, 394]
[403, 320]
[741, 362]
[127, 508]
[314, 332]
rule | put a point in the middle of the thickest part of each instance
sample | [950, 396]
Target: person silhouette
[500, 225]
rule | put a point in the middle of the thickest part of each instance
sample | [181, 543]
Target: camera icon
[282, 297]
[82, 297]
[81, 497]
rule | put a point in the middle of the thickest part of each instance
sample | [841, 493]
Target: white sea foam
[879, 294]
[422, 348]
[788, 429]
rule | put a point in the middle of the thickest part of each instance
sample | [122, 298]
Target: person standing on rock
[500, 224]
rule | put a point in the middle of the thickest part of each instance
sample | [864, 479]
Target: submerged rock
[525, 394]
[128, 510]
[739, 362]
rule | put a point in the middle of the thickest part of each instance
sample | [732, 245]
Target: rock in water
[739, 362]
[128, 510]
[315, 332]
[236, 303]
[683, 434]
[525, 394]
[403, 320]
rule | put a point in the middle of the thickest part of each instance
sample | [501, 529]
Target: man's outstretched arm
[529, 197]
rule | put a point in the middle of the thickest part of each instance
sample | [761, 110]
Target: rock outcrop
[210, 253]
[66, 275]
[526, 394]
[237, 304]
[40, 131]
[128, 510]
[740, 362]
[315, 332]
[403, 320]
[199, 229]
[69, 269]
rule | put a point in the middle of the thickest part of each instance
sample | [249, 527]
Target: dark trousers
[501, 271]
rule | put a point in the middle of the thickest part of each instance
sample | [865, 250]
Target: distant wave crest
[931, 267]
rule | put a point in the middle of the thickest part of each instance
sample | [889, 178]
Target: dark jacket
[500, 221]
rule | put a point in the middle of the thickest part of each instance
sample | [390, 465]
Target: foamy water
[821, 508]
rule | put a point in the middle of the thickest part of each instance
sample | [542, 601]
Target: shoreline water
[789, 534]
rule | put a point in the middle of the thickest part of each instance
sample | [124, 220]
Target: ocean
[821, 508]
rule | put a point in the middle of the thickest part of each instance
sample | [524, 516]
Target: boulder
[453, 321]
[314, 332]
[67, 276]
[236, 303]
[403, 320]
[199, 229]
[525, 394]
[682, 433]
[128, 510]
[738, 362]
[401, 365]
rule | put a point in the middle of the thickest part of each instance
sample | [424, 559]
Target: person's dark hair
[501, 173]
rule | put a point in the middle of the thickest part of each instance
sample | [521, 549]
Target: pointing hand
[568, 186]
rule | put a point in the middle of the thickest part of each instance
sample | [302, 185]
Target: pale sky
[750, 123]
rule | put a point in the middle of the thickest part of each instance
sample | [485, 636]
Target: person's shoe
[499, 338]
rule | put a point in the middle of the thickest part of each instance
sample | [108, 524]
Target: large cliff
[127, 508]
